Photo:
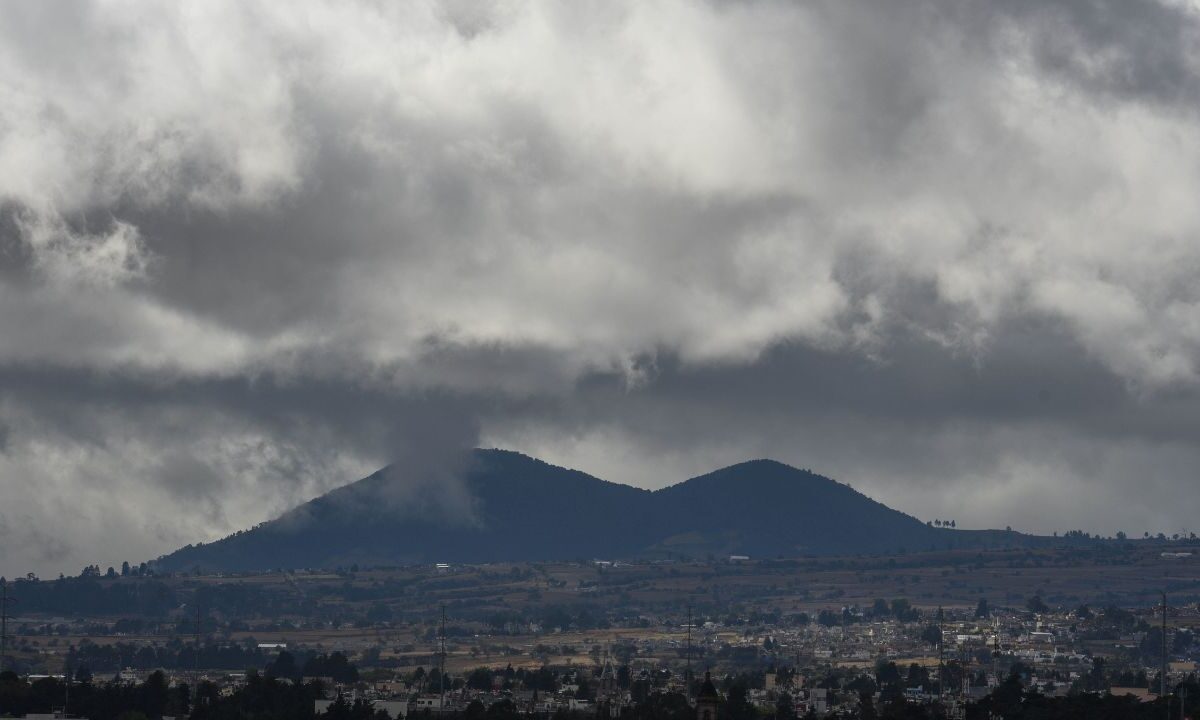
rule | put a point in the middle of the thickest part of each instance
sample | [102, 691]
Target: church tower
[708, 701]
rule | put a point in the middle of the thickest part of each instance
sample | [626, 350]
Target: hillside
[766, 508]
[504, 506]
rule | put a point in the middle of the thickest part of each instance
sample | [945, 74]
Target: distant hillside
[500, 505]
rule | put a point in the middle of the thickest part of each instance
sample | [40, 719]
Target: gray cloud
[945, 251]
[1032, 435]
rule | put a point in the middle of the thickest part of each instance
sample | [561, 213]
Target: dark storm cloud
[1143, 50]
[942, 250]
[931, 432]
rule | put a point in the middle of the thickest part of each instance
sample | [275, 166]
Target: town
[658, 639]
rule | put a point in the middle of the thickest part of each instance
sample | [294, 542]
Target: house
[392, 687]
[815, 699]
[1142, 694]
[427, 702]
[394, 708]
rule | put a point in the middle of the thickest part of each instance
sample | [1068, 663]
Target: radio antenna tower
[1163, 684]
[196, 650]
[442, 670]
[687, 677]
[941, 648]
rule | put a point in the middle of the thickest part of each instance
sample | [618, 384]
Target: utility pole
[4, 602]
[442, 672]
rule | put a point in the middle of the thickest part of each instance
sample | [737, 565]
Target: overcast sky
[948, 252]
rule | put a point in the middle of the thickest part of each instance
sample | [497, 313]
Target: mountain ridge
[502, 505]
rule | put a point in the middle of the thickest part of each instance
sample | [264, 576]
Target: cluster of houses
[609, 699]
[1056, 651]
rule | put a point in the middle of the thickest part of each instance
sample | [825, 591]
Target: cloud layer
[944, 251]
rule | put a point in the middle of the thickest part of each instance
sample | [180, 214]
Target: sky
[946, 252]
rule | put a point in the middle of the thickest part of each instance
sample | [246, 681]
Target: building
[708, 702]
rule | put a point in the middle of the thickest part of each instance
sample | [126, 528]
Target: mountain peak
[755, 473]
[503, 505]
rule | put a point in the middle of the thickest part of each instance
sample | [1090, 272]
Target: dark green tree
[981, 609]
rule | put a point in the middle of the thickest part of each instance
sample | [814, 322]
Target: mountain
[766, 508]
[497, 505]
